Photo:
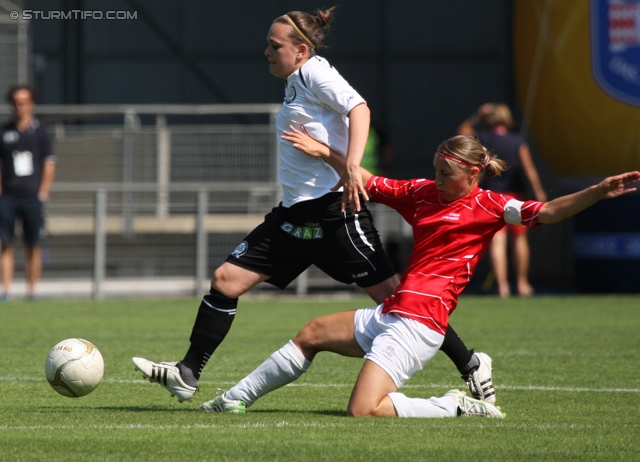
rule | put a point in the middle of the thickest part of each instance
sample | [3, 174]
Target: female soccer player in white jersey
[313, 224]
[453, 222]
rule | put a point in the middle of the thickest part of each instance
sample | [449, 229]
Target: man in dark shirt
[27, 170]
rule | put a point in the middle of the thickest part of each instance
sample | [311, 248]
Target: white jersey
[319, 98]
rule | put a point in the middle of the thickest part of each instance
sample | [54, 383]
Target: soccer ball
[74, 367]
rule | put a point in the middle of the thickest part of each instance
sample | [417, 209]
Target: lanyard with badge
[23, 163]
[22, 160]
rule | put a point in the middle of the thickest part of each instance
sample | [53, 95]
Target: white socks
[288, 364]
[418, 407]
[281, 368]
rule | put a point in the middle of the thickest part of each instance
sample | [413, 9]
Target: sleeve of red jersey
[521, 213]
[389, 191]
[397, 194]
[529, 212]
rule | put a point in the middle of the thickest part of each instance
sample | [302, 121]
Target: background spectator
[27, 165]
[491, 124]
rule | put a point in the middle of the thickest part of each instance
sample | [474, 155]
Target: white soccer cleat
[221, 404]
[479, 382]
[471, 407]
[166, 374]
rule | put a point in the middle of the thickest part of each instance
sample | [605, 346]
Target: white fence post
[202, 248]
[131, 129]
[100, 239]
[302, 283]
[163, 142]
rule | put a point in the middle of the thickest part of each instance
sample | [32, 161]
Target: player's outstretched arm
[351, 180]
[302, 141]
[566, 206]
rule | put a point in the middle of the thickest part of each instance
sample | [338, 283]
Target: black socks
[212, 324]
[457, 351]
[470, 367]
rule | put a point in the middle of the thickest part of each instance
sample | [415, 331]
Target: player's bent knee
[361, 411]
[312, 334]
[229, 280]
[229, 290]
[307, 338]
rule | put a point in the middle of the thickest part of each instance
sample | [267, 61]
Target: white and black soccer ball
[74, 367]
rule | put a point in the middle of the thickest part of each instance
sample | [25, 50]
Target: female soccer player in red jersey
[453, 222]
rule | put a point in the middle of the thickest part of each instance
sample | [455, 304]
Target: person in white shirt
[322, 219]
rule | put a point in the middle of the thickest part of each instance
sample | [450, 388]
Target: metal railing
[100, 238]
[197, 222]
[159, 201]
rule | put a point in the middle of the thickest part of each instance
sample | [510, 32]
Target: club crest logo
[389, 351]
[615, 48]
[290, 96]
[241, 249]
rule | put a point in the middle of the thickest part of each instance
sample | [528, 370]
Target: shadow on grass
[328, 413]
[184, 410]
[76, 409]
[145, 409]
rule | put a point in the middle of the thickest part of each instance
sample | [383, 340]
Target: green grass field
[565, 369]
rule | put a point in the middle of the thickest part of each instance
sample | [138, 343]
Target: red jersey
[449, 240]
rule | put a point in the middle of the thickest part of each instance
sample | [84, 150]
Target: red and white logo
[615, 48]
[624, 25]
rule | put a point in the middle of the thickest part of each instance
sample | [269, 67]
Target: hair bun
[323, 17]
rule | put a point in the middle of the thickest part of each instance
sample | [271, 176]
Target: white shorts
[401, 346]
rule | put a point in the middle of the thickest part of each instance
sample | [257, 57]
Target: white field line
[373, 424]
[280, 424]
[349, 385]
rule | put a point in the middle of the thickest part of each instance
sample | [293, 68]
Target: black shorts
[28, 211]
[347, 247]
